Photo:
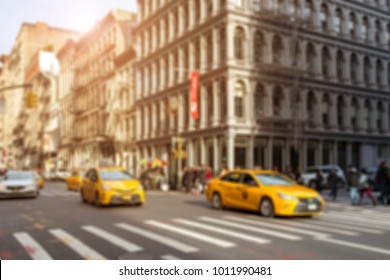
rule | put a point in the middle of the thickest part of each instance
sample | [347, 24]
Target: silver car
[310, 174]
[18, 183]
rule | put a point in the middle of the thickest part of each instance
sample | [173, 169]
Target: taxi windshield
[274, 180]
[115, 175]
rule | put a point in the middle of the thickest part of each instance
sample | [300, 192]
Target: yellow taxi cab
[111, 185]
[73, 182]
[267, 192]
[40, 180]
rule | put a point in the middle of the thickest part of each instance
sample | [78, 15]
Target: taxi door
[88, 185]
[247, 192]
[226, 185]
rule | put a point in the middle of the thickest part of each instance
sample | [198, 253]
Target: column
[230, 42]
[303, 155]
[180, 112]
[347, 66]
[249, 151]
[335, 153]
[332, 65]
[202, 142]
[268, 48]
[230, 150]
[270, 159]
[318, 61]
[216, 154]
[320, 151]
[216, 55]
[203, 105]
[360, 78]
[190, 152]
[333, 111]
[318, 110]
[374, 117]
[230, 101]
[216, 103]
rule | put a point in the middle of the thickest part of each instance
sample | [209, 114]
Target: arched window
[297, 55]
[197, 10]
[310, 59]
[259, 101]
[325, 62]
[365, 28]
[239, 94]
[340, 111]
[223, 100]
[167, 29]
[377, 32]
[210, 103]
[209, 4]
[379, 71]
[239, 43]
[186, 15]
[292, 7]
[197, 54]
[325, 109]
[388, 76]
[354, 67]
[380, 114]
[324, 17]
[277, 104]
[277, 49]
[367, 70]
[310, 106]
[258, 47]
[176, 22]
[340, 65]
[354, 113]
[222, 45]
[308, 10]
[186, 63]
[209, 47]
[338, 21]
[352, 25]
[367, 115]
[388, 36]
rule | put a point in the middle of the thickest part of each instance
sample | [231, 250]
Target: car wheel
[267, 208]
[83, 199]
[97, 200]
[216, 201]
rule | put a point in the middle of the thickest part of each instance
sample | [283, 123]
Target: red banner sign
[194, 95]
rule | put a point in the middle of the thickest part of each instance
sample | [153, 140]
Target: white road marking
[76, 245]
[224, 231]
[31, 246]
[315, 234]
[182, 247]
[321, 228]
[253, 229]
[359, 220]
[344, 226]
[114, 239]
[355, 245]
[362, 216]
[169, 257]
[358, 223]
[192, 234]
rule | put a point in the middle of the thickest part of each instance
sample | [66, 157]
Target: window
[210, 103]
[186, 112]
[223, 100]
[338, 21]
[197, 11]
[365, 29]
[233, 177]
[277, 102]
[379, 122]
[186, 16]
[340, 111]
[167, 28]
[259, 101]
[209, 46]
[388, 35]
[340, 65]
[209, 7]
[297, 56]
[239, 93]
[367, 70]
[379, 71]
[367, 115]
[310, 59]
[185, 58]
[354, 67]
[325, 109]
[310, 105]
[308, 10]
[239, 43]
[197, 54]
[352, 25]
[176, 22]
[325, 63]
[222, 45]
[324, 17]
[256, 5]
[258, 47]
[354, 113]
[377, 32]
[277, 47]
[248, 180]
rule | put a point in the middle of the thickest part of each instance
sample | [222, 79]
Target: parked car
[19, 183]
[310, 174]
[61, 175]
[73, 182]
[48, 175]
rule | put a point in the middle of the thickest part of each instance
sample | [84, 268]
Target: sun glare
[85, 23]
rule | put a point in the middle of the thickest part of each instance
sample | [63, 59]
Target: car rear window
[274, 180]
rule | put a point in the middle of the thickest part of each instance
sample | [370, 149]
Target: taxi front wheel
[97, 200]
[267, 208]
[216, 201]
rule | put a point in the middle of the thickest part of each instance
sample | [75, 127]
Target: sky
[79, 15]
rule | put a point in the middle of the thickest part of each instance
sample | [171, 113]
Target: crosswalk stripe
[355, 245]
[182, 247]
[365, 221]
[344, 226]
[280, 227]
[114, 239]
[76, 245]
[317, 227]
[224, 231]
[169, 257]
[192, 234]
[364, 216]
[31, 246]
[358, 223]
[253, 229]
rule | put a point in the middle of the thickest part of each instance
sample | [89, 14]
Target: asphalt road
[57, 225]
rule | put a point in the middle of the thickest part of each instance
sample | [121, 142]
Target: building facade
[255, 110]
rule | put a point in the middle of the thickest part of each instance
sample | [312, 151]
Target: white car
[18, 183]
[310, 174]
[61, 175]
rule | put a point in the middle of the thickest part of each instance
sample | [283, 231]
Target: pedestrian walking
[289, 172]
[353, 183]
[318, 181]
[332, 182]
[382, 178]
[365, 188]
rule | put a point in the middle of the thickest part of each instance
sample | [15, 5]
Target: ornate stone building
[299, 82]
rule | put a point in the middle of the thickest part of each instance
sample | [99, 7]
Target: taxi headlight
[287, 196]
[106, 188]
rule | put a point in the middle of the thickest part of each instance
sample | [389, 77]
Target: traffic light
[31, 100]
